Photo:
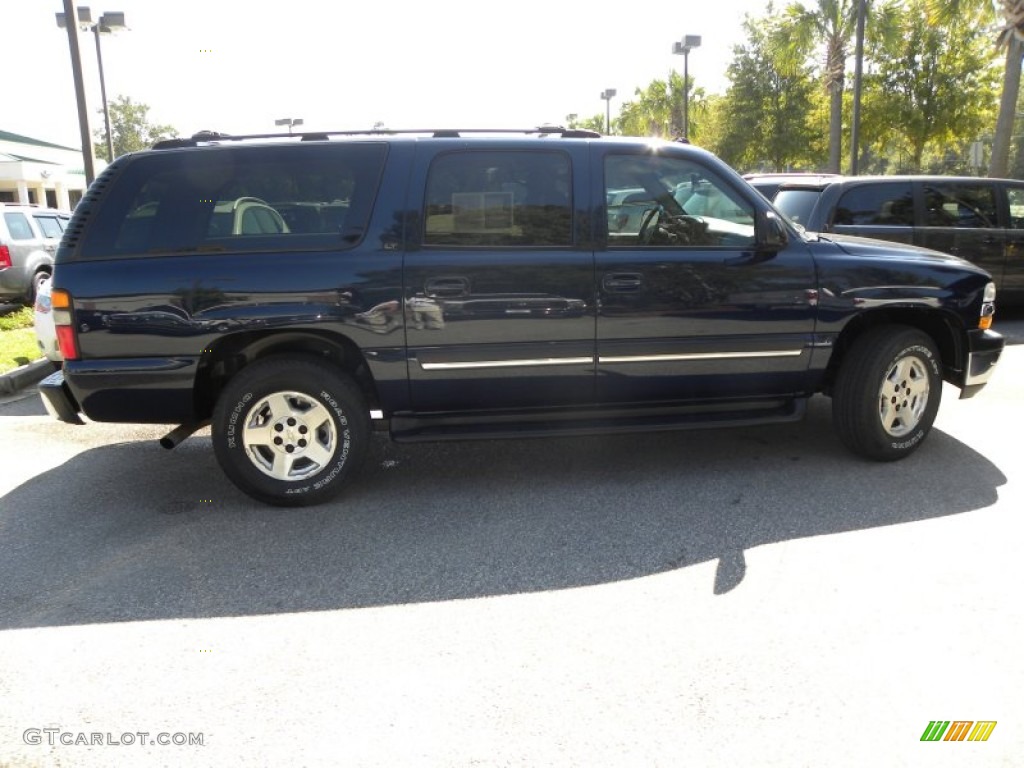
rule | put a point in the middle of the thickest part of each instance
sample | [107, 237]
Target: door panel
[689, 310]
[499, 308]
[962, 219]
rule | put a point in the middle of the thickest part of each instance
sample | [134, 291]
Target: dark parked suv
[460, 284]
[981, 220]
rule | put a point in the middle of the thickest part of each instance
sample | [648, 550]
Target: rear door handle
[620, 282]
[446, 287]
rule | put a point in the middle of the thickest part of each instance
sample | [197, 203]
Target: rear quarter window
[18, 226]
[237, 199]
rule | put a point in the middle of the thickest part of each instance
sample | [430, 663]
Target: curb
[22, 377]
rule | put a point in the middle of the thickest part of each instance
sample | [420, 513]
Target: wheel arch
[229, 355]
[942, 327]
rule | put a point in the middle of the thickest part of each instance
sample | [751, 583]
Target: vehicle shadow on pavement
[131, 532]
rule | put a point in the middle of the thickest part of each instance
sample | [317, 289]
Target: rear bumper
[983, 351]
[58, 400]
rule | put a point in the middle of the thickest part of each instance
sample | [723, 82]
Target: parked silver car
[29, 236]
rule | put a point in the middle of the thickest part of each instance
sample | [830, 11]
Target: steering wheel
[648, 225]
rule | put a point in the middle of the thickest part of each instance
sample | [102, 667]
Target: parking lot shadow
[130, 532]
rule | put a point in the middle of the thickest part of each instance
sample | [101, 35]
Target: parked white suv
[29, 236]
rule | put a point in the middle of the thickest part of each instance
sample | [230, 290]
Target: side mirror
[771, 234]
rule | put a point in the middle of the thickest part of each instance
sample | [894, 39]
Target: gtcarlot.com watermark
[58, 736]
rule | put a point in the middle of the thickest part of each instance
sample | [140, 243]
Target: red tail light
[5, 257]
[64, 324]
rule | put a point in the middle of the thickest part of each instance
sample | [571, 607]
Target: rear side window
[796, 204]
[971, 206]
[1015, 198]
[18, 226]
[499, 198]
[50, 226]
[877, 205]
[238, 199]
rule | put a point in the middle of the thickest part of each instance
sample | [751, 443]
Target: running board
[491, 425]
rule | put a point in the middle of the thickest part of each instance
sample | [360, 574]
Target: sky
[236, 66]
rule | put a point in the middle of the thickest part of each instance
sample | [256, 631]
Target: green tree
[130, 129]
[826, 28]
[592, 123]
[1010, 36]
[935, 83]
[764, 116]
[658, 109]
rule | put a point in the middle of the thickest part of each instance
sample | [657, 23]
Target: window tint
[796, 204]
[495, 198]
[653, 200]
[49, 226]
[1015, 197]
[18, 226]
[250, 198]
[878, 205]
[960, 205]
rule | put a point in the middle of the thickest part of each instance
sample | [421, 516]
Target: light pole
[290, 122]
[107, 24]
[684, 46]
[858, 71]
[607, 95]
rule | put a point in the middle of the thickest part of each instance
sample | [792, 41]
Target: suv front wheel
[887, 393]
[289, 430]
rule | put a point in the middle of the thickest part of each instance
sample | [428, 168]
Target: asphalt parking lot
[741, 597]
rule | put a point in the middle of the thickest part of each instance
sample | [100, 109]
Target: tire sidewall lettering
[236, 412]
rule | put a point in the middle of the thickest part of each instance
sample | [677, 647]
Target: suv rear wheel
[887, 393]
[289, 430]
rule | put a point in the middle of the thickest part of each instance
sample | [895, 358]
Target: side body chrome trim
[474, 364]
[698, 356]
[529, 363]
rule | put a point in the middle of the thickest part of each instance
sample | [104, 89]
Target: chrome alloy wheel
[903, 396]
[289, 436]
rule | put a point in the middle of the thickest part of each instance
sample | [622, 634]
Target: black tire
[33, 289]
[290, 430]
[887, 392]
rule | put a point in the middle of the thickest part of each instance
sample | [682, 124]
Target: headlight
[988, 307]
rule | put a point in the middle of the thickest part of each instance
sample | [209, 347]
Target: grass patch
[18, 347]
[14, 320]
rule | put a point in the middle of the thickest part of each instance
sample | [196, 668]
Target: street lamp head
[112, 22]
[687, 44]
[84, 19]
[108, 22]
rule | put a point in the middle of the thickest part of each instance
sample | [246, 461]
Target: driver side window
[654, 200]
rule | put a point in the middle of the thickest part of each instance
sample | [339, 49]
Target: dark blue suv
[460, 284]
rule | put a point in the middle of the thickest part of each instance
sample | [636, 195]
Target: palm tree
[1010, 36]
[658, 108]
[830, 25]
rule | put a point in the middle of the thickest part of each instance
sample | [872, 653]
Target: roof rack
[438, 133]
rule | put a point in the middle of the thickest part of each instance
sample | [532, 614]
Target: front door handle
[446, 287]
[619, 282]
